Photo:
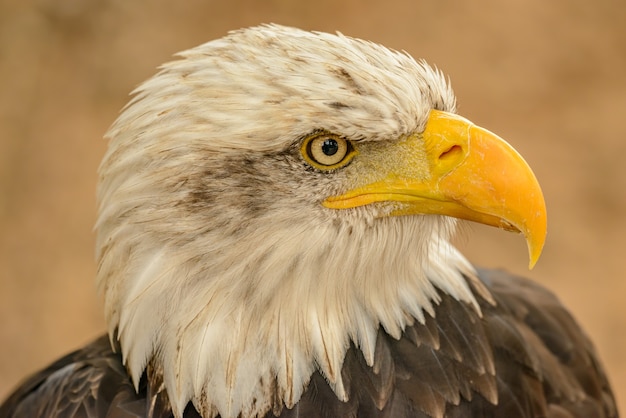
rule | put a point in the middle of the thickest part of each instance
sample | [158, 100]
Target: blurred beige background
[550, 77]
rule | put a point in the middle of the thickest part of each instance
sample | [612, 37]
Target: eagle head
[276, 195]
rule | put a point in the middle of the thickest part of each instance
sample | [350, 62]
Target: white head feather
[216, 259]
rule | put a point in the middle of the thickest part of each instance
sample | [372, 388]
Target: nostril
[450, 153]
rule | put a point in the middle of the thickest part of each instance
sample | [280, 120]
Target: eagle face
[276, 195]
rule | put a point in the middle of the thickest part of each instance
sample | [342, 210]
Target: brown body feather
[526, 357]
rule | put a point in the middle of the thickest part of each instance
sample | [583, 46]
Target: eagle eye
[327, 151]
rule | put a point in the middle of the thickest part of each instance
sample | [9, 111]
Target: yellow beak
[470, 174]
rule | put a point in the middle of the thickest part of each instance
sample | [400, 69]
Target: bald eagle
[273, 240]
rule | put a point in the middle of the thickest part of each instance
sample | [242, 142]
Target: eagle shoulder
[524, 357]
[88, 383]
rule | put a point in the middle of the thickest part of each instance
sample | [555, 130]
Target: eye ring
[327, 151]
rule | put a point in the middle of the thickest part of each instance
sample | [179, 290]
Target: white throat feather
[240, 325]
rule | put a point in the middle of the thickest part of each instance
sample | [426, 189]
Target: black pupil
[330, 147]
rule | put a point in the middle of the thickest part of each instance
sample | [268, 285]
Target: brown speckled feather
[526, 357]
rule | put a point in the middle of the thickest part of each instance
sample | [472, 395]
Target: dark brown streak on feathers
[339, 105]
[351, 84]
[434, 370]
[235, 180]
